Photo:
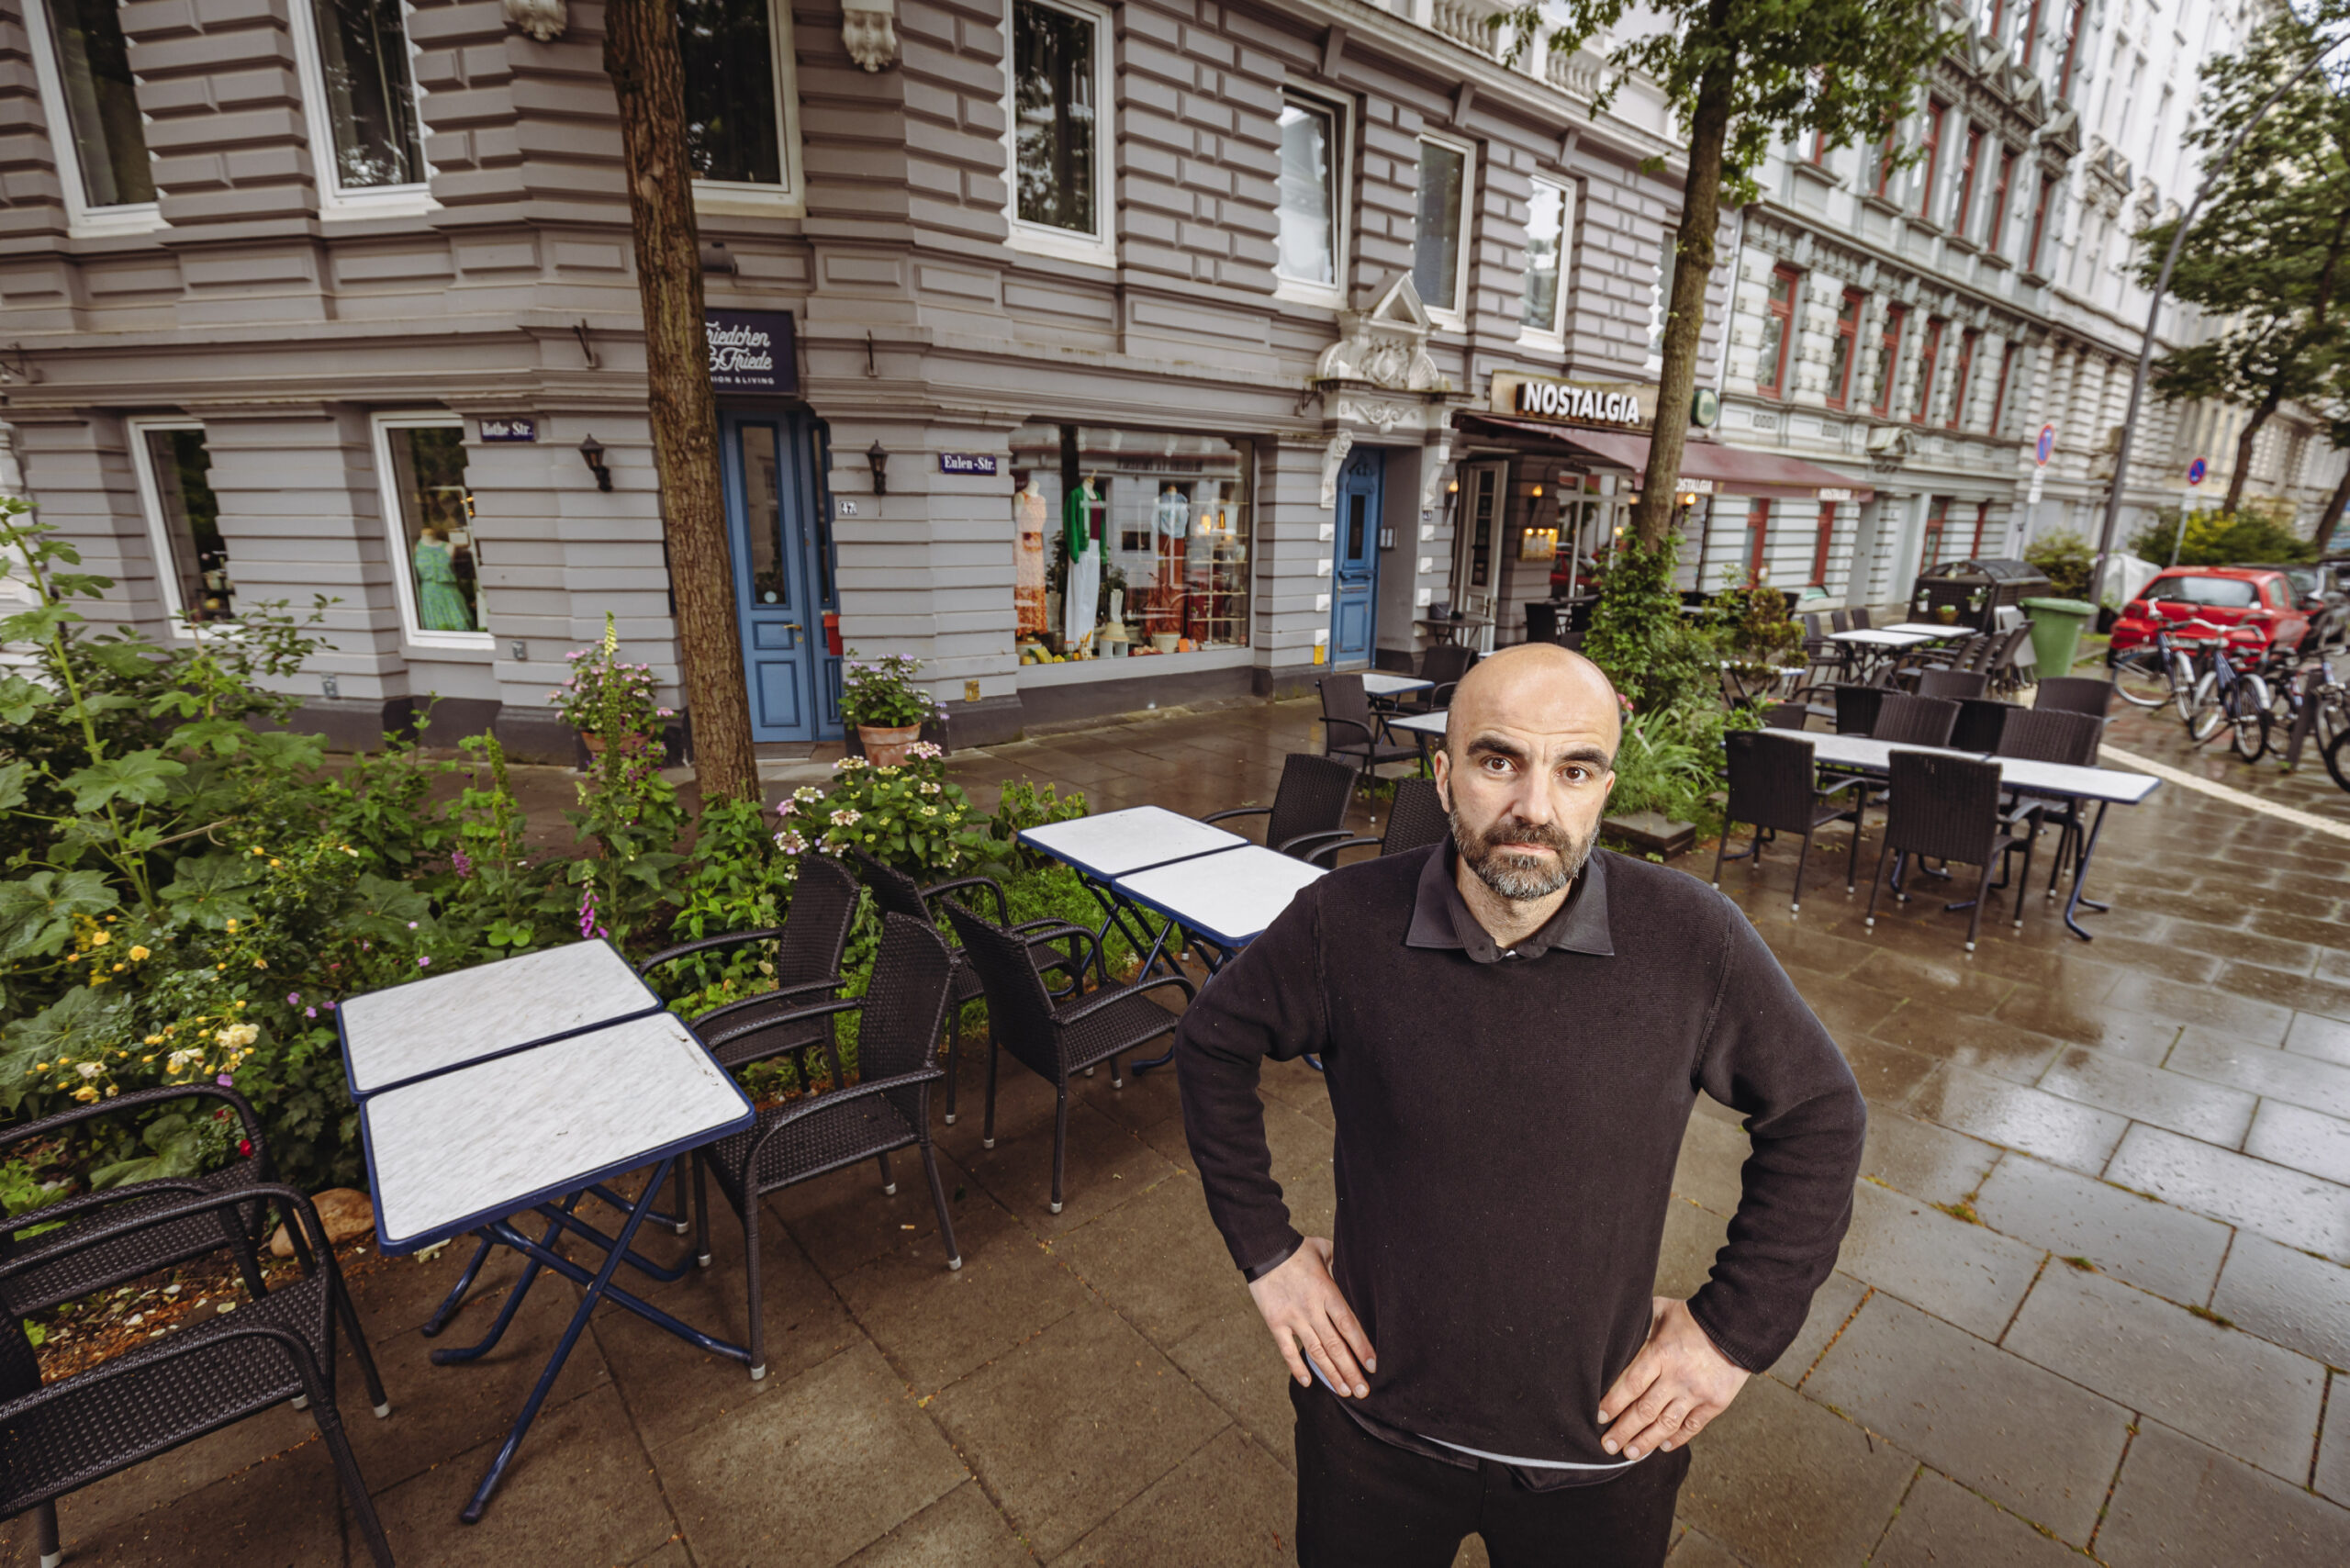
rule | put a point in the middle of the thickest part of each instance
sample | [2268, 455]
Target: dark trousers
[1362, 1503]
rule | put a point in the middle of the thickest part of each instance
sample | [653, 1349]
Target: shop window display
[1127, 543]
[427, 475]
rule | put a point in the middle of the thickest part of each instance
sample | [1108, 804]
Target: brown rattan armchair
[1351, 732]
[1308, 816]
[1948, 808]
[1771, 786]
[1415, 819]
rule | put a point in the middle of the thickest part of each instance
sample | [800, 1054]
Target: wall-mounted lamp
[1452, 486]
[593, 450]
[879, 458]
[1536, 492]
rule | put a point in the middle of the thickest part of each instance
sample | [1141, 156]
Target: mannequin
[1081, 600]
[1028, 509]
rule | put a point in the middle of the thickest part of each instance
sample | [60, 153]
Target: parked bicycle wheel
[2189, 692]
[2337, 757]
[2203, 708]
[2141, 678]
[2249, 717]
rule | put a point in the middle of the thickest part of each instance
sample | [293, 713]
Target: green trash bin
[2056, 632]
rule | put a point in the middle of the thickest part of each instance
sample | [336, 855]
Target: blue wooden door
[781, 589]
[1354, 569]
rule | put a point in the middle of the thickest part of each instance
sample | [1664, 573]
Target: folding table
[1423, 729]
[1224, 900]
[2058, 781]
[1929, 630]
[1386, 683]
[1871, 649]
[1102, 849]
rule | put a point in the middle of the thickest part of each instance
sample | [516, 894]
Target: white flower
[847, 818]
[923, 751]
[791, 842]
[930, 787]
[807, 792]
[849, 765]
[930, 811]
[89, 1069]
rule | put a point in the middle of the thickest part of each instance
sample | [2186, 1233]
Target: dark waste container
[1973, 590]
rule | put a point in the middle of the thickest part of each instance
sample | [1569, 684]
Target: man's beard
[1521, 878]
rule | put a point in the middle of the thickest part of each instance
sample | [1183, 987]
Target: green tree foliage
[1638, 634]
[1739, 73]
[2269, 253]
[2252, 536]
[2065, 559]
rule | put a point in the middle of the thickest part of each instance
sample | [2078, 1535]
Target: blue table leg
[1214, 959]
[2081, 875]
[506, 1311]
[570, 1271]
[456, 1296]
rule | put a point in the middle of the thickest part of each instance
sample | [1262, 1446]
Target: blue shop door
[1354, 591]
[781, 585]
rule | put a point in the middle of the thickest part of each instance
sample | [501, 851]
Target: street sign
[2046, 447]
[2031, 497]
[2197, 470]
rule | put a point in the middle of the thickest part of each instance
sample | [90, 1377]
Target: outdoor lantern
[879, 458]
[593, 450]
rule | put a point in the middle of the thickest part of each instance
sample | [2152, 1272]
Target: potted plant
[610, 701]
[878, 696]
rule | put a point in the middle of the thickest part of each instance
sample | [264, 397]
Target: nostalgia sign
[750, 350]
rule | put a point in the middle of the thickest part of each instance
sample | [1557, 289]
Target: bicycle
[2236, 696]
[2161, 671]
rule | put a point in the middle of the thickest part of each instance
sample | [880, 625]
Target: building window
[1163, 522]
[1927, 357]
[1982, 523]
[2039, 224]
[363, 95]
[1058, 159]
[1999, 392]
[1994, 220]
[741, 107]
[1930, 549]
[1758, 539]
[1550, 219]
[430, 513]
[2070, 48]
[84, 71]
[1931, 164]
[1307, 232]
[1778, 327]
[1437, 251]
[1962, 212]
[1847, 348]
[1888, 361]
[1819, 547]
[1962, 378]
[184, 522]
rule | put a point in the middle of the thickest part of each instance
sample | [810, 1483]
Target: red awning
[1730, 470]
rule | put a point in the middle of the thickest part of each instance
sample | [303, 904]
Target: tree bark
[2330, 519]
[2252, 427]
[1684, 319]
[641, 56]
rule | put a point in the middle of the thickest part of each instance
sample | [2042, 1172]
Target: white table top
[1384, 683]
[1113, 843]
[481, 1142]
[1229, 899]
[2076, 783]
[1421, 723]
[430, 1026]
[1865, 753]
[1929, 629]
[1882, 639]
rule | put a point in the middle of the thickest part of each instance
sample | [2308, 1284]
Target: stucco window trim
[410, 200]
[1455, 318]
[1554, 336]
[159, 542]
[1100, 248]
[745, 199]
[82, 221]
[412, 632]
[1331, 295]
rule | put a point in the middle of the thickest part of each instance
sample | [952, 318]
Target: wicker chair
[1840, 620]
[1770, 786]
[1860, 621]
[1981, 721]
[1786, 716]
[1351, 732]
[60, 1437]
[2051, 734]
[888, 1109]
[1956, 686]
[1415, 820]
[1948, 808]
[807, 956]
[2074, 694]
[897, 893]
[1905, 719]
[55, 1267]
[1309, 810]
[1056, 1043]
[1444, 664]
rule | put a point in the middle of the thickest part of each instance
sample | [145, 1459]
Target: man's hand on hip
[1311, 1321]
[1674, 1387]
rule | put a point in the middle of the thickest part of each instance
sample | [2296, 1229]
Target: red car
[2256, 604]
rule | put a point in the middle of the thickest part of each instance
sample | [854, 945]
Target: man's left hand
[1674, 1387]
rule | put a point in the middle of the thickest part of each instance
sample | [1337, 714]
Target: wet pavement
[2094, 1299]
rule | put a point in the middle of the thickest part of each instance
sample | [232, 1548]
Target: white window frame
[159, 539]
[1570, 200]
[1100, 248]
[82, 221]
[748, 199]
[367, 201]
[412, 632]
[1454, 317]
[1341, 207]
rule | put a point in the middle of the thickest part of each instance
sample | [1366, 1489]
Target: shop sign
[750, 350]
[1624, 404]
[513, 427]
[1835, 495]
[967, 463]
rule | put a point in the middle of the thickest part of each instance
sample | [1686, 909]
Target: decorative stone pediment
[869, 32]
[1385, 347]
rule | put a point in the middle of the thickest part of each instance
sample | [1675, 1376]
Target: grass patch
[2208, 1315]
[2083, 1264]
[1961, 1210]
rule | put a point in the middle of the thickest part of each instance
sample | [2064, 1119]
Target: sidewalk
[2091, 1301]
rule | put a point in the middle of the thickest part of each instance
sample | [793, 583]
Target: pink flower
[424, 963]
[330, 1006]
[312, 1012]
[293, 999]
[224, 1081]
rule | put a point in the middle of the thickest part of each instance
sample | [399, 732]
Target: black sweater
[1507, 1128]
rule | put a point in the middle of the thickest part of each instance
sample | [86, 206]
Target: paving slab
[287, 1509]
[1232, 1360]
[2247, 1062]
[2150, 1244]
[1062, 1466]
[2301, 1140]
[2282, 1205]
[1106, 1165]
[2018, 1433]
[195, 1466]
[1922, 1160]
[962, 1530]
[1944, 1525]
[2328, 1039]
[835, 1459]
[1695, 1548]
[2246, 1397]
[1713, 1152]
[2181, 1505]
[2282, 1294]
[1226, 1503]
[1785, 1483]
[1157, 1260]
[1832, 1306]
[2152, 1094]
[1998, 1112]
[2331, 1475]
[1972, 1276]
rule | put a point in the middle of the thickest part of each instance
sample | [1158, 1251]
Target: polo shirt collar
[1441, 917]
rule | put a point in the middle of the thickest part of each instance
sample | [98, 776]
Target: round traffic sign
[2195, 470]
[2046, 447]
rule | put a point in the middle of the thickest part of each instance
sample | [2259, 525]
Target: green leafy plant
[607, 697]
[2219, 539]
[908, 817]
[1759, 628]
[2065, 559]
[1639, 635]
[881, 694]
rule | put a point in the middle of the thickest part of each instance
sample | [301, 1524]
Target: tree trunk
[2330, 519]
[1684, 319]
[2243, 473]
[641, 55]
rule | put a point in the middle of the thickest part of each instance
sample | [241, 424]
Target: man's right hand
[1311, 1321]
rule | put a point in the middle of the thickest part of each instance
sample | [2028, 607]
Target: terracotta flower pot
[885, 745]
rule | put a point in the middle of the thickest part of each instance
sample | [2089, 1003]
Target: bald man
[1515, 1027]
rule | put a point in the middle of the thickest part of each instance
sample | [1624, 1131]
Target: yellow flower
[273, 860]
[232, 925]
[257, 849]
[86, 1095]
[152, 1040]
[40, 1066]
[220, 968]
[261, 963]
[120, 968]
[138, 953]
[99, 938]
